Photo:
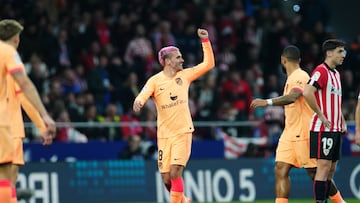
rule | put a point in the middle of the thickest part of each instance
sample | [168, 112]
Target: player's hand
[202, 33]
[137, 105]
[47, 139]
[325, 121]
[50, 125]
[258, 103]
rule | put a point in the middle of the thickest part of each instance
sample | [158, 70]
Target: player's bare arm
[293, 95]
[35, 117]
[32, 95]
[309, 95]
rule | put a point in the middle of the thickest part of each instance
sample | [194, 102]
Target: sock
[176, 197]
[337, 198]
[13, 195]
[5, 191]
[281, 200]
[320, 191]
[327, 194]
[177, 190]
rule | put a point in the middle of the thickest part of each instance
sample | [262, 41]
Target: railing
[145, 124]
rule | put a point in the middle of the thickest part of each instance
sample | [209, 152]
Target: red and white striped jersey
[328, 97]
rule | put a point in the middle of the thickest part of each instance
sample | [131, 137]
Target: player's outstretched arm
[293, 95]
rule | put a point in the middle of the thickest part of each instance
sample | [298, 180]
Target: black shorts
[325, 145]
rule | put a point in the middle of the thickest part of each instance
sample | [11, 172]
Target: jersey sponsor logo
[173, 104]
[334, 90]
[162, 88]
[179, 81]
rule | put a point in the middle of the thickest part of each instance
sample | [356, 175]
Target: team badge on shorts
[160, 165]
[326, 151]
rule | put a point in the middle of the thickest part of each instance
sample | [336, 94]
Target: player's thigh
[164, 154]
[325, 145]
[181, 149]
[18, 152]
[6, 152]
[285, 153]
[302, 150]
[6, 145]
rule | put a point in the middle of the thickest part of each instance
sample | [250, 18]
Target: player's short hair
[292, 53]
[165, 53]
[9, 28]
[332, 44]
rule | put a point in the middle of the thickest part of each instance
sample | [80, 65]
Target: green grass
[272, 201]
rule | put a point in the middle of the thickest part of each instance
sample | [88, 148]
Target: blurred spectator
[238, 92]
[274, 118]
[133, 150]
[129, 90]
[133, 128]
[75, 106]
[99, 84]
[139, 50]
[91, 117]
[64, 50]
[67, 133]
[163, 36]
[102, 29]
[149, 131]
[38, 72]
[111, 115]
[90, 57]
[71, 82]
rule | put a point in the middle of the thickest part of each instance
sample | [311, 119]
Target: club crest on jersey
[179, 81]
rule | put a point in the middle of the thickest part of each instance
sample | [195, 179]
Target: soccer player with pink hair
[170, 91]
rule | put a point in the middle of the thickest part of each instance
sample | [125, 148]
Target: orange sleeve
[147, 91]
[32, 113]
[207, 64]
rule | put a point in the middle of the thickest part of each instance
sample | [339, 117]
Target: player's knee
[281, 170]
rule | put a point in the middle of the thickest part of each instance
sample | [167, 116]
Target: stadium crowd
[89, 59]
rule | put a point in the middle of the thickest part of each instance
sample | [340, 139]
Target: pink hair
[165, 51]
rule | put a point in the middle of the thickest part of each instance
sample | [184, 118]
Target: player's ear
[283, 60]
